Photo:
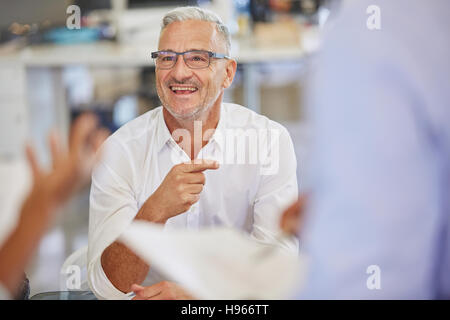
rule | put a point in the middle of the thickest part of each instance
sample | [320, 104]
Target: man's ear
[230, 72]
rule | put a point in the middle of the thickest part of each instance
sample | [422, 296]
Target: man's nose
[180, 70]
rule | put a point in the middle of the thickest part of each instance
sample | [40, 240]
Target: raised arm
[49, 192]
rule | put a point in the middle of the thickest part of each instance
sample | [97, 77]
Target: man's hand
[292, 217]
[179, 190]
[164, 290]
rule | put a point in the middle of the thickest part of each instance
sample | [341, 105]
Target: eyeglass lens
[193, 59]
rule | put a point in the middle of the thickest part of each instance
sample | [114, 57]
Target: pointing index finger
[199, 166]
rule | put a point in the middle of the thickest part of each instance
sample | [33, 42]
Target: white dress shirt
[248, 195]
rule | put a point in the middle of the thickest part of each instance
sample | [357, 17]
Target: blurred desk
[16, 82]
[107, 53]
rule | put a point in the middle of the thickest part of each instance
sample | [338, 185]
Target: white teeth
[183, 89]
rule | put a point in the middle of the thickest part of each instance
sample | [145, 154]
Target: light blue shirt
[380, 109]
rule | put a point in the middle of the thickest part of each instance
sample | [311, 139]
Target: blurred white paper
[217, 263]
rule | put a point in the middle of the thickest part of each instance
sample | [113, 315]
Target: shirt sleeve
[112, 208]
[277, 189]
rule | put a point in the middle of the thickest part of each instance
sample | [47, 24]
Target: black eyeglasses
[194, 59]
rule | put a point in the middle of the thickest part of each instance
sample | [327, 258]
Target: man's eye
[167, 58]
[198, 58]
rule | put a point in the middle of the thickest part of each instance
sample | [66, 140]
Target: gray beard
[197, 114]
[192, 116]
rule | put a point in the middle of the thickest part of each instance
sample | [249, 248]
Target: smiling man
[167, 166]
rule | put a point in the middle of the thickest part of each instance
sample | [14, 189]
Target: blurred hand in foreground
[292, 217]
[71, 169]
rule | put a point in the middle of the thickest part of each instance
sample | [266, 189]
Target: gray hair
[196, 13]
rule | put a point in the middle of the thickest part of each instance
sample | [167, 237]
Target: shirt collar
[163, 135]
[219, 134]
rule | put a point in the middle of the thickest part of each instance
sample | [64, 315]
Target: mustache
[172, 82]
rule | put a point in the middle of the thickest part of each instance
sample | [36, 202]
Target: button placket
[193, 216]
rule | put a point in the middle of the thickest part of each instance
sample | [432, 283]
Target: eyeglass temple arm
[219, 55]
